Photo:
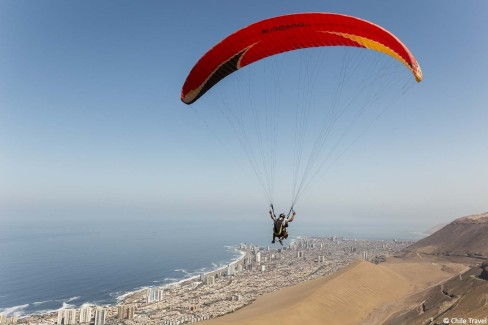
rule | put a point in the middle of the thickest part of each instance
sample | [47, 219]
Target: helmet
[282, 215]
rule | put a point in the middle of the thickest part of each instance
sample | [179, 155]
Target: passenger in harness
[280, 225]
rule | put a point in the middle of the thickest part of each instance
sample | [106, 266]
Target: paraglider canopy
[286, 33]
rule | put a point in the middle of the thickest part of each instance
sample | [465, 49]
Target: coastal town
[259, 270]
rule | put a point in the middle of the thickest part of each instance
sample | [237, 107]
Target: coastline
[119, 298]
[192, 278]
[194, 299]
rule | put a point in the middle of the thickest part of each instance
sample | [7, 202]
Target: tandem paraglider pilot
[280, 225]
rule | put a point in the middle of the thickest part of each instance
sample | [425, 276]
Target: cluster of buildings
[125, 312]
[260, 270]
[154, 295]
[69, 316]
[8, 320]
[98, 316]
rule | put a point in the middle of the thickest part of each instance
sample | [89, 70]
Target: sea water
[48, 265]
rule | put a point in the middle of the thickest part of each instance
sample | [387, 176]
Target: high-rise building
[263, 268]
[159, 294]
[120, 312]
[130, 312]
[230, 269]
[70, 316]
[3, 319]
[85, 315]
[66, 316]
[154, 295]
[60, 316]
[125, 312]
[100, 316]
[239, 267]
[210, 280]
[150, 295]
[248, 261]
[258, 257]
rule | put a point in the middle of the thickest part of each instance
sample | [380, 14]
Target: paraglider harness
[279, 228]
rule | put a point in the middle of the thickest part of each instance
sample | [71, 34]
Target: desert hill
[347, 297]
[444, 275]
[467, 236]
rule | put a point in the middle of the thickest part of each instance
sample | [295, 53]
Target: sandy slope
[347, 297]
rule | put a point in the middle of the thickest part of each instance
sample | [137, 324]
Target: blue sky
[91, 125]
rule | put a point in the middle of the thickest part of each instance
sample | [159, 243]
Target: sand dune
[349, 296]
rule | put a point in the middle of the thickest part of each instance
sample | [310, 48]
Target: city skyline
[216, 293]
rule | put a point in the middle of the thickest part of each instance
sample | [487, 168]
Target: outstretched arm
[271, 214]
[292, 216]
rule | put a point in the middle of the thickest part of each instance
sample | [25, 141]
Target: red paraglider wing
[287, 33]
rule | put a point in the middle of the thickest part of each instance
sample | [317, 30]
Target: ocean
[46, 266]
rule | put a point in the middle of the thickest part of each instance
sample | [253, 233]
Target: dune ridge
[347, 297]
